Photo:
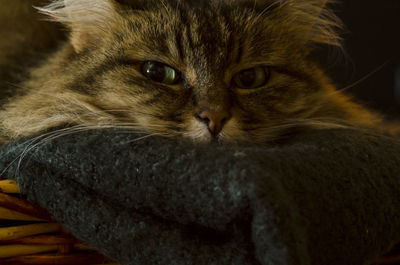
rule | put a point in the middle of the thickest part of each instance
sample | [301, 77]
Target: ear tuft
[135, 4]
[323, 22]
[261, 5]
[85, 18]
[314, 20]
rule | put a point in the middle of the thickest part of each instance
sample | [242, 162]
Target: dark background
[372, 45]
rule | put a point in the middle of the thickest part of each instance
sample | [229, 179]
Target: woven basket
[28, 235]
[33, 238]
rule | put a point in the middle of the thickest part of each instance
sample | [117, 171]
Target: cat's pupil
[160, 73]
[247, 77]
[155, 71]
[252, 78]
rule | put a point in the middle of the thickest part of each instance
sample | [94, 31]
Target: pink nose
[214, 119]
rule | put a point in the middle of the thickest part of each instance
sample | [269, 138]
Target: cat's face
[233, 71]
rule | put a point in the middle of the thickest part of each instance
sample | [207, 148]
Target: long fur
[85, 19]
[78, 13]
[94, 79]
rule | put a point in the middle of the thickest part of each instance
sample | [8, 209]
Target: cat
[231, 71]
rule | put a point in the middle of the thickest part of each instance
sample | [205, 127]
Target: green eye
[160, 73]
[252, 78]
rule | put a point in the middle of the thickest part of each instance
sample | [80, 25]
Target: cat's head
[232, 70]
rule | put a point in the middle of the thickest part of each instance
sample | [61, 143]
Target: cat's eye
[252, 78]
[160, 73]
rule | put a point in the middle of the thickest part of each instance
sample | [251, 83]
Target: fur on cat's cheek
[232, 132]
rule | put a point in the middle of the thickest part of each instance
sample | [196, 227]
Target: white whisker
[128, 127]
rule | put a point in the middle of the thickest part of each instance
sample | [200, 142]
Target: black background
[372, 48]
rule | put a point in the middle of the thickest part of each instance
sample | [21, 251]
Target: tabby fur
[94, 80]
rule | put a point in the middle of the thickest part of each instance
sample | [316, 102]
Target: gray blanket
[326, 197]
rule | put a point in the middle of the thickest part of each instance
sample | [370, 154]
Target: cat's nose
[214, 119]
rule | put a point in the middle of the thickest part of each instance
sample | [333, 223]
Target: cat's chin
[207, 138]
[200, 139]
[199, 133]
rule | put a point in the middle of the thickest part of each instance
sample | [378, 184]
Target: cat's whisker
[132, 111]
[144, 137]
[323, 123]
[33, 144]
[362, 79]
[138, 126]
[272, 132]
[264, 11]
[166, 8]
[14, 85]
[27, 143]
[44, 138]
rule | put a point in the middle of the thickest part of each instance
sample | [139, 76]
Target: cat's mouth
[204, 132]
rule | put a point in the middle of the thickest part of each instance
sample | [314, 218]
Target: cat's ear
[313, 20]
[320, 24]
[135, 4]
[269, 4]
[87, 19]
[321, 3]
[261, 5]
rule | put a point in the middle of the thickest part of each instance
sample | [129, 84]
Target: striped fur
[94, 79]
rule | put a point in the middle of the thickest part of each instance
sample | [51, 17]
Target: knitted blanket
[326, 197]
